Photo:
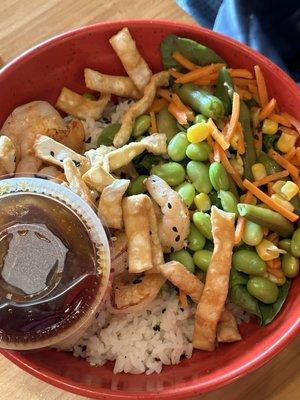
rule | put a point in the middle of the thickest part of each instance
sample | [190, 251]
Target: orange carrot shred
[195, 74]
[165, 94]
[184, 61]
[244, 82]
[290, 154]
[292, 120]
[241, 222]
[277, 272]
[157, 105]
[229, 168]
[258, 142]
[216, 155]
[153, 122]
[267, 109]
[178, 113]
[244, 93]
[272, 178]
[234, 118]
[269, 202]
[261, 85]
[175, 74]
[176, 100]
[280, 119]
[240, 73]
[294, 171]
[270, 188]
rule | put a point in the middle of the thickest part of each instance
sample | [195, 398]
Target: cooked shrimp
[174, 223]
[22, 126]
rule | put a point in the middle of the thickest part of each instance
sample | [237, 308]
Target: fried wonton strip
[53, 172]
[180, 277]
[140, 107]
[137, 228]
[131, 293]
[215, 291]
[118, 244]
[80, 106]
[75, 181]
[72, 136]
[96, 155]
[98, 178]
[156, 144]
[227, 330]
[110, 204]
[134, 64]
[7, 156]
[118, 85]
[54, 152]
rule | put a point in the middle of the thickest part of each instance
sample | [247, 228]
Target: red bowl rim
[193, 388]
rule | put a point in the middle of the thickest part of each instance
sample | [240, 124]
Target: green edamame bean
[198, 151]
[229, 201]
[263, 289]
[253, 233]
[218, 176]
[285, 244]
[171, 172]
[177, 147]
[295, 243]
[141, 125]
[290, 265]
[107, 135]
[202, 259]
[137, 186]
[187, 192]
[184, 257]
[199, 118]
[196, 241]
[203, 224]
[199, 176]
[249, 262]
[166, 123]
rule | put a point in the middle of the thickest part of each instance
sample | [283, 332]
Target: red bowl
[40, 74]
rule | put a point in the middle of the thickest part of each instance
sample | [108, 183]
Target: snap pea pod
[200, 100]
[224, 89]
[107, 135]
[166, 123]
[249, 157]
[270, 165]
[268, 218]
[203, 224]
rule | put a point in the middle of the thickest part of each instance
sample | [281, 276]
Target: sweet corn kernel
[286, 142]
[259, 171]
[236, 165]
[284, 203]
[202, 202]
[289, 189]
[269, 127]
[277, 186]
[253, 200]
[198, 132]
[268, 251]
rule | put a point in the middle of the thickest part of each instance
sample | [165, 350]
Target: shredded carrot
[280, 119]
[258, 141]
[153, 122]
[290, 154]
[240, 225]
[196, 74]
[272, 178]
[261, 85]
[244, 93]
[184, 61]
[294, 171]
[241, 148]
[269, 202]
[178, 113]
[292, 120]
[235, 115]
[216, 154]
[240, 73]
[205, 82]
[298, 154]
[217, 135]
[165, 94]
[265, 231]
[273, 264]
[270, 188]
[277, 272]
[157, 105]
[229, 168]
[175, 73]
[189, 113]
[267, 109]
[253, 89]
[183, 299]
[273, 237]
[244, 82]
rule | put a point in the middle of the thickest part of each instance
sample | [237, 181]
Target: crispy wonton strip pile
[110, 84]
[140, 107]
[134, 64]
[53, 172]
[215, 291]
[7, 156]
[98, 178]
[227, 330]
[76, 183]
[80, 106]
[110, 204]
[54, 152]
[96, 156]
[156, 144]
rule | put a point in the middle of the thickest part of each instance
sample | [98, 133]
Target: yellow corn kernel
[198, 132]
[202, 202]
[269, 127]
[268, 251]
[286, 142]
[259, 171]
[289, 190]
[237, 166]
[277, 186]
[253, 200]
[284, 203]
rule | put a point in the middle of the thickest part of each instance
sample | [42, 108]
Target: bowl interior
[40, 75]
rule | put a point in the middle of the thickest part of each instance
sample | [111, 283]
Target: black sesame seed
[136, 280]
[169, 205]
[77, 163]
[88, 140]
[172, 249]
[105, 120]
[52, 153]
[163, 310]
[15, 159]
[83, 348]
[61, 161]
[97, 315]
[175, 229]
[156, 359]
[177, 238]
[156, 328]
[181, 309]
